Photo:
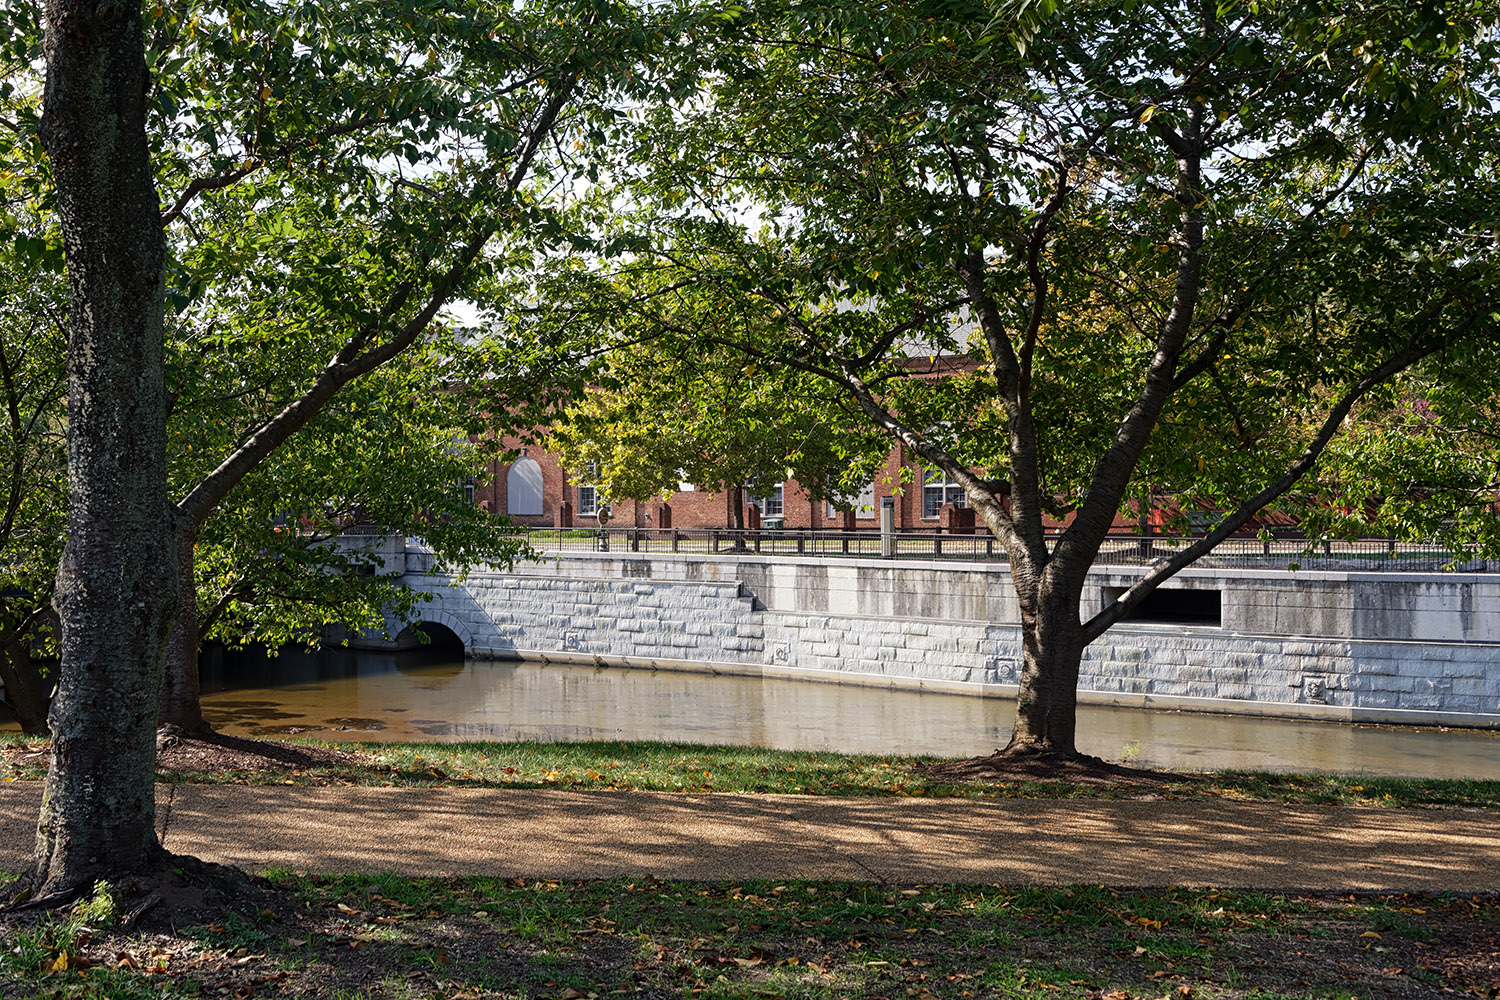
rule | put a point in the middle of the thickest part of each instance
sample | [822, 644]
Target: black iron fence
[978, 545]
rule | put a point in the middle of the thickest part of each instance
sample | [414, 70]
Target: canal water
[340, 695]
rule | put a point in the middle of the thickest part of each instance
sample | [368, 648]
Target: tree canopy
[341, 173]
[663, 413]
[1185, 243]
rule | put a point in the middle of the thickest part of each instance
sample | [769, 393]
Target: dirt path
[446, 831]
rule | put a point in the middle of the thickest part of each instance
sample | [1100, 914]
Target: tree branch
[1304, 464]
[353, 360]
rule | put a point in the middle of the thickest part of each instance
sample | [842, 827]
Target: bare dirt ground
[180, 753]
[1078, 770]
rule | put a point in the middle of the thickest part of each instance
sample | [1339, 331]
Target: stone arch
[523, 487]
[432, 616]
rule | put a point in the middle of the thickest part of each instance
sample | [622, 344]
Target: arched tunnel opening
[442, 646]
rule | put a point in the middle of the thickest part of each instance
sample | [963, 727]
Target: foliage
[1419, 461]
[333, 176]
[1148, 249]
[654, 418]
[32, 393]
[1020, 207]
[389, 455]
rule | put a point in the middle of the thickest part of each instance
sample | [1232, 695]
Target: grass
[680, 767]
[364, 935]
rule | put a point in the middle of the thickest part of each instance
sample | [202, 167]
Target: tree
[313, 110]
[654, 418]
[1182, 241]
[275, 562]
[390, 450]
[114, 593]
[32, 484]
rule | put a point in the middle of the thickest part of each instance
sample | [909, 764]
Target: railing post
[937, 542]
[635, 540]
[674, 539]
[801, 543]
[887, 532]
[713, 542]
[989, 547]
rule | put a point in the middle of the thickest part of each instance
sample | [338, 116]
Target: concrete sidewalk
[581, 835]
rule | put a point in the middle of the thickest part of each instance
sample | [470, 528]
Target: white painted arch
[523, 487]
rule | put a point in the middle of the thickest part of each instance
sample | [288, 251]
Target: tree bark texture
[115, 585]
[180, 688]
[1051, 651]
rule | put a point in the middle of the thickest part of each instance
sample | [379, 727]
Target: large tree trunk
[180, 702]
[1052, 643]
[114, 586]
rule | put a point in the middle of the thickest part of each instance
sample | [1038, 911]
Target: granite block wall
[1409, 648]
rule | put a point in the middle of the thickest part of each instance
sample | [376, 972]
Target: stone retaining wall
[1414, 648]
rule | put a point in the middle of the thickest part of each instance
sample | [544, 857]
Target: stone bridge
[1419, 648]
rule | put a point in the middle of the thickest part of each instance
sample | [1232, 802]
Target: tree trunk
[25, 687]
[737, 508]
[1051, 651]
[114, 586]
[180, 702]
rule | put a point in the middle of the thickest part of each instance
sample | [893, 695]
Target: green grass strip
[682, 767]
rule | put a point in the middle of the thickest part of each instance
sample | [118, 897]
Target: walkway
[581, 835]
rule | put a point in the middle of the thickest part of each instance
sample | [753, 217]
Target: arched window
[523, 487]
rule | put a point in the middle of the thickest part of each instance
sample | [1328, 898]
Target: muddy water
[415, 697]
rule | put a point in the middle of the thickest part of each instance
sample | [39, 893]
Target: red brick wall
[554, 482]
[701, 509]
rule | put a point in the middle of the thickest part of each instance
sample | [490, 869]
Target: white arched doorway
[523, 487]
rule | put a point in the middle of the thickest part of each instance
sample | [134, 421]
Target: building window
[864, 504]
[468, 488]
[771, 504]
[938, 491]
[588, 493]
[588, 501]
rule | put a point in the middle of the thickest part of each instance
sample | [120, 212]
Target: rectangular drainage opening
[1173, 606]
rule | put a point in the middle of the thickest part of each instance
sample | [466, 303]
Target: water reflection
[422, 695]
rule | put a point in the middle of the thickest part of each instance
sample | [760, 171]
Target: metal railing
[978, 545]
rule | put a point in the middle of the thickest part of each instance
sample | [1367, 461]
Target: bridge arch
[435, 623]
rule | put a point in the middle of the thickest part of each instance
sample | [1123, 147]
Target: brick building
[533, 488]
